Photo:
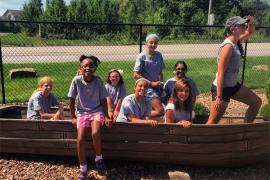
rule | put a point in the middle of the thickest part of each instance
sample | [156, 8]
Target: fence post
[244, 62]
[2, 74]
[141, 38]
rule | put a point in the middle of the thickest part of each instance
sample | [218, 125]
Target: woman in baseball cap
[225, 85]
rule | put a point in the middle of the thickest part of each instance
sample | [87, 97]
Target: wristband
[110, 110]
[218, 97]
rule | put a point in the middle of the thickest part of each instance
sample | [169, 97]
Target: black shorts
[227, 92]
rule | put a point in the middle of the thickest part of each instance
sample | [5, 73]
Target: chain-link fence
[53, 49]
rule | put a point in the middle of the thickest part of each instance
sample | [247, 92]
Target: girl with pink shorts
[92, 111]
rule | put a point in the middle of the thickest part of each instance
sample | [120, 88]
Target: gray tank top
[230, 75]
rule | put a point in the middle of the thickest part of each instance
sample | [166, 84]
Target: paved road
[112, 53]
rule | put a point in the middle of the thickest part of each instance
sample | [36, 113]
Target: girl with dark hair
[180, 70]
[116, 92]
[180, 106]
[92, 112]
[225, 85]
[136, 107]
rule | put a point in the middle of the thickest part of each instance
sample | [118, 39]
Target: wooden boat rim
[141, 124]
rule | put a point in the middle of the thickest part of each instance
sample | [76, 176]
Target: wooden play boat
[231, 144]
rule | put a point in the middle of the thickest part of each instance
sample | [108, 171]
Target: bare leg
[216, 114]
[81, 145]
[96, 136]
[248, 97]
[157, 108]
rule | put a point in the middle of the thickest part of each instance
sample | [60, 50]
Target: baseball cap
[235, 20]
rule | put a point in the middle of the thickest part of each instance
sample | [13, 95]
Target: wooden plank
[136, 128]
[218, 159]
[39, 143]
[122, 137]
[143, 146]
[131, 137]
[215, 138]
[18, 124]
[178, 147]
[57, 125]
[220, 129]
[227, 159]
[32, 134]
[257, 134]
[263, 142]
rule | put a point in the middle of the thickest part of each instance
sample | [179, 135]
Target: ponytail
[241, 49]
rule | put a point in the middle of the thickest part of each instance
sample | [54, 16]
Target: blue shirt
[150, 69]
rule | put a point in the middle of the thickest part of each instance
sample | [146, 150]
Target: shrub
[267, 90]
[265, 110]
[201, 110]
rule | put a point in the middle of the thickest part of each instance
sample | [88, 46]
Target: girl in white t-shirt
[180, 105]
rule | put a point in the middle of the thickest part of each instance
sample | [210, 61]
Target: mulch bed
[15, 166]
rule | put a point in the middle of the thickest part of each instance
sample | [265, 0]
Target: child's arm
[137, 75]
[60, 113]
[72, 111]
[117, 108]
[45, 115]
[110, 108]
[146, 120]
[108, 121]
[169, 116]
[185, 123]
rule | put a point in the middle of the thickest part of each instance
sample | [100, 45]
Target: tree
[32, 11]
[56, 11]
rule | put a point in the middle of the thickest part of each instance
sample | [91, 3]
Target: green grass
[21, 39]
[201, 70]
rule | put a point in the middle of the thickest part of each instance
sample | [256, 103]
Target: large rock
[178, 175]
[22, 72]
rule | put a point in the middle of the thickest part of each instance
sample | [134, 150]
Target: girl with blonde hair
[41, 101]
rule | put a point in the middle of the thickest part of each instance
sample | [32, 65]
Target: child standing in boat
[116, 91]
[92, 111]
[41, 101]
[180, 106]
[136, 107]
[149, 65]
[225, 86]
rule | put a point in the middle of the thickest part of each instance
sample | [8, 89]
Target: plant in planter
[265, 110]
[202, 113]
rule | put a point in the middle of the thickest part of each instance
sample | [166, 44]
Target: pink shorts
[84, 120]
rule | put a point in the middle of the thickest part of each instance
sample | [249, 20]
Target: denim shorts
[153, 92]
[227, 92]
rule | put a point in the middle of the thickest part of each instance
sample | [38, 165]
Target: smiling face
[183, 93]
[141, 88]
[46, 88]
[180, 71]
[87, 68]
[152, 43]
[114, 78]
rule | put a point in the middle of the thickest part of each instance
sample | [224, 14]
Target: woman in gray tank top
[225, 85]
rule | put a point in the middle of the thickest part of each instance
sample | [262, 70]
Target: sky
[16, 4]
